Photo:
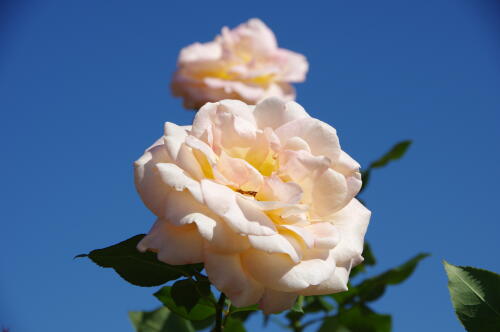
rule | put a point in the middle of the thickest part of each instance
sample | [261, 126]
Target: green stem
[219, 308]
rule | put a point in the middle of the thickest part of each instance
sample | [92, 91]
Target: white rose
[262, 195]
[244, 63]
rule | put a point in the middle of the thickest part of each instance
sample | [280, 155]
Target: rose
[262, 195]
[244, 63]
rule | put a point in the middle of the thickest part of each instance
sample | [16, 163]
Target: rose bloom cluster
[245, 64]
[262, 195]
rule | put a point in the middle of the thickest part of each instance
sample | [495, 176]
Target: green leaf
[202, 310]
[395, 153]
[140, 269]
[185, 294]
[203, 324]
[159, 320]
[372, 288]
[234, 309]
[357, 319]
[234, 325]
[316, 303]
[297, 307]
[475, 294]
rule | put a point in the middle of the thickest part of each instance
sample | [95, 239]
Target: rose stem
[218, 313]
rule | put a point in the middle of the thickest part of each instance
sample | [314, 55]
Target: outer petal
[352, 222]
[294, 66]
[228, 275]
[198, 52]
[148, 181]
[174, 137]
[273, 301]
[274, 244]
[329, 193]
[278, 271]
[240, 214]
[335, 284]
[252, 37]
[177, 179]
[175, 245]
[346, 165]
[182, 209]
[274, 112]
[321, 137]
[326, 236]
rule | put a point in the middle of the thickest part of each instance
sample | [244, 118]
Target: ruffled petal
[326, 236]
[274, 189]
[148, 182]
[240, 214]
[352, 222]
[274, 244]
[199, 52]
[274, 112]
[321, 137]
[227, 274]
[273, 302]
[174, 177]
[174, 245]
[182, 209]
[238, 173]
[279, 272]
[294, 66]
[335, 284]
[329, 193]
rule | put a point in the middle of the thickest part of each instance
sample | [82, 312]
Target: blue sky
[84, 89]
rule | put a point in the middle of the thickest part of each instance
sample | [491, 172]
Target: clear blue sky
[84, 89]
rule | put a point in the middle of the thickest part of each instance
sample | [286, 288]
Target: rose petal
[182, 209]
[274, 189]
[329, 193]
[335, 284]
[276, 243]
[227, 274]
[240, 215]
[274, 112]
[321, 137]
[326, 236]
[352, 222]
[238, 173]
[152, 190]
[198, 52]
[273, 302]
[175, 245]
[294, 66]
[279, 272]
[173, 176]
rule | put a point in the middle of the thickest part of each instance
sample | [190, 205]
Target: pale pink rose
[262, 195]
[245, 63]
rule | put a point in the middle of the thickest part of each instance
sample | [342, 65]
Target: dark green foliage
[159, 320]
[357, 319]
[234, 325]
[203, 309]
[140, 269]
[395, 153]
[372, 288]
[475, 294]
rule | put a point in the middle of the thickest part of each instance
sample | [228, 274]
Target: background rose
[263, 196]
[244, 63]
